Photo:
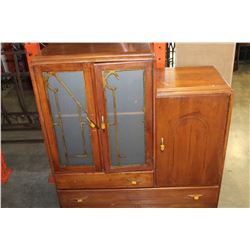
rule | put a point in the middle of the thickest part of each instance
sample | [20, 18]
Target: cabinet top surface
[189, 79]
[89, 52]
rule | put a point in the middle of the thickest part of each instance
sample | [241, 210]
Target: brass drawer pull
[195, 197]
[162, 146]
[134, 181]
[82, 199]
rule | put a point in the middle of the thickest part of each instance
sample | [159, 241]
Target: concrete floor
[235, 189]
[29, 187]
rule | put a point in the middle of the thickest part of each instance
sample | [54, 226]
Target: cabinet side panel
[41, 117]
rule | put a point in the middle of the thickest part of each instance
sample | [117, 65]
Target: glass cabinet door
[126, 116]
[72, 124]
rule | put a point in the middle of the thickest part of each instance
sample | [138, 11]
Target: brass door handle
[91, 124]
[103, 125]
[162, 146]
[196, 197]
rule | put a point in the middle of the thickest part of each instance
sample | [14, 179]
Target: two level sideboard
[121, 133]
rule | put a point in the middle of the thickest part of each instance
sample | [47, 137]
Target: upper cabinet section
[97, 105]
[186, 80]
[94, 52]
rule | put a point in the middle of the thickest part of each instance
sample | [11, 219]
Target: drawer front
[145, 197]
[101, 180]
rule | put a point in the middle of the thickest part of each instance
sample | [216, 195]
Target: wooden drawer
[143, 197]
[102, 180]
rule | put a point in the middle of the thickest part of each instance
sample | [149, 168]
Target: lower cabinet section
[142, 197]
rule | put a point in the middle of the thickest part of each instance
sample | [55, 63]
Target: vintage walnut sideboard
[120, 133]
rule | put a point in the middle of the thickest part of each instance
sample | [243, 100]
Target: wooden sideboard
[120, 133]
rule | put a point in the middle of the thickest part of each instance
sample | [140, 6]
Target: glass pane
[124, 91]
[66, 94]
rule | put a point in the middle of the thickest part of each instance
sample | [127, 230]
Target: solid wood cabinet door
[67, 104]
[124, 94]
[190, 138]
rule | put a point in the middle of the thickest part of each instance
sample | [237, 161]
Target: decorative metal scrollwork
[79, 108]
[108, 86]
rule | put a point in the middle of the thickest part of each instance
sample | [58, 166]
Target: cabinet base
[143, 197]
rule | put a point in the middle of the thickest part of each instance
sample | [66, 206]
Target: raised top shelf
[183, 80]
[93, 52]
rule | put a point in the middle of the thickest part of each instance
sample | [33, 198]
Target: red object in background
[32, 49]
[5, 171]
[160, 52]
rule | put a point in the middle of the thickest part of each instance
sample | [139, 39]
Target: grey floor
[235, 189]
[28, 185]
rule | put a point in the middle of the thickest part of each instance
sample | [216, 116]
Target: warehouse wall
[220, 55]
